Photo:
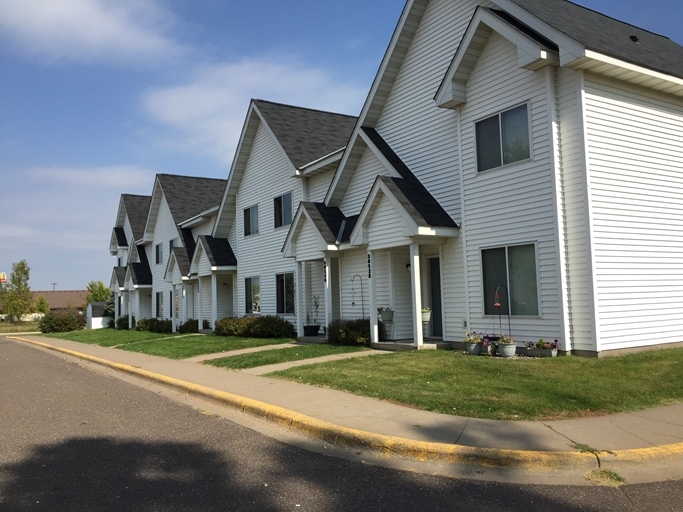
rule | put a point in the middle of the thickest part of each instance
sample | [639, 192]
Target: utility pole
[53, 286]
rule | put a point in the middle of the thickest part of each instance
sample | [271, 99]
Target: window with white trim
[252, 295]
[510, 273]
[251, 220]
[282, 208]
[503, 139]
[284, 291]
[159, 253]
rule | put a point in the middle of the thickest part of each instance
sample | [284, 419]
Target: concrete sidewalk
[646, 440]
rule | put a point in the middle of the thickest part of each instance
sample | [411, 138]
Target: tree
[97, 292]
[16, 295]
[41, 305]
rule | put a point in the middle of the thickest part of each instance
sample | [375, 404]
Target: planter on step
[311, 330]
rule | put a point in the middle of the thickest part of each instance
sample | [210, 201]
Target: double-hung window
[159, 253]
[251, 220]
[252, 295]
[503, 139]
[284, 288]
[510, 272]
[282, 207]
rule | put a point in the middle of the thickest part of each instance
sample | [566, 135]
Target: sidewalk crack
[457, 440]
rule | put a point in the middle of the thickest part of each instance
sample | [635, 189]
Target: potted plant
[426, 314]
[488, 347]
[387, 314]
[542, 348]
[506, 346]
[474, 343]
[312, 327]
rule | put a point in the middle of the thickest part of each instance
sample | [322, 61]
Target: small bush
[255, 327]
[351, 332]
[122, 323]
[154, 325]
[188, 327]
[62, 321]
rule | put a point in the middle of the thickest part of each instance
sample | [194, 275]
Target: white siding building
[515, 161]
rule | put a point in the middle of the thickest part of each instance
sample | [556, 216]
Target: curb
[390, 446]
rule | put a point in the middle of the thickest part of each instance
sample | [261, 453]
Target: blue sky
[96, 97]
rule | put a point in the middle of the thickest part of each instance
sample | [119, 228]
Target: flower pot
[387, 316]
[541, 352]
[507, 349]
[426, 316]
[473, 349]
[311, 330]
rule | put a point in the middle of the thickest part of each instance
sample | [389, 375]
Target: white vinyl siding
[268, 174]
[453, 290]
[402, 292]
[512, 205]
[224, 287]
[386, 226]
[369, 167]
[309, 243]
[423, 135]
[355, 302]
[315, 286]
[579, 287]
[318, 185]
[634, 144]
[165, 230]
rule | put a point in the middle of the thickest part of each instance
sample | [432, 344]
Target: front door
[435, 295]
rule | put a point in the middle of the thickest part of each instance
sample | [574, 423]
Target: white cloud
[124, 31]
[114, 176]
[206, 114]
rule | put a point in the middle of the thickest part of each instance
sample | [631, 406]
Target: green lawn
[108, 337]
[14, 327]
[184, 347]
[496, 388]
[282, 355]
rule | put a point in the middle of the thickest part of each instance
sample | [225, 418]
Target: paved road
[78, 439]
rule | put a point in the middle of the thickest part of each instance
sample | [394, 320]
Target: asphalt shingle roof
[188, 196]
[120, 275]
[121, 237]
[609, 36]
[218, 251]
[182, 260]
[305, 134]
[137, 209]
[140, 272]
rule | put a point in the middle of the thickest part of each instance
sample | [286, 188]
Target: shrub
[154, 325]
[351, 332]
[62, 321]
[267, 326]
[122, 322]
[190, 326]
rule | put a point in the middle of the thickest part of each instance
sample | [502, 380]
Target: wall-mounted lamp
[225, 284]
[408, 267]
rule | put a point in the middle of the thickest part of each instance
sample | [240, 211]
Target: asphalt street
[76, 438]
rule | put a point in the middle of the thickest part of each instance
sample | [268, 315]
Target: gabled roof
[136, 207]
[120, 237]
[218, 251]
[186, 196]
[119, 276]
[179, 255]
[608, 36]
[305, 136]
[332, 226]
[140, 273]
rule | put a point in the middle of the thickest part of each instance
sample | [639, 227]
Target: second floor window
[159, 253]
[503, 139]
[283, 210]
[251, 220]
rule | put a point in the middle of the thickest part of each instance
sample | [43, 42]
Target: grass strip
[516, 389]
[108, 337]
[283, 355]
[184, 347]
[14, 327]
